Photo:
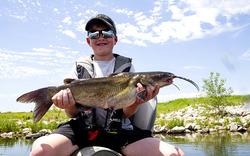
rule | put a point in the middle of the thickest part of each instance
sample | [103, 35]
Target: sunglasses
[95, 34]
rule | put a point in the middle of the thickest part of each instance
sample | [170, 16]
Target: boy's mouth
[101, 44]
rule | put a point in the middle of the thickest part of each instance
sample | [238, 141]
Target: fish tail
[42, 99]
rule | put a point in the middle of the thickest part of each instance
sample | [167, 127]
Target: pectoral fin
[142, 95]
[148, 82]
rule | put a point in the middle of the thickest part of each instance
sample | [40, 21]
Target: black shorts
[112, 140]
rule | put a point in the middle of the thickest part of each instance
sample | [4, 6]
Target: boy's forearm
[129, 111]
[71, 112]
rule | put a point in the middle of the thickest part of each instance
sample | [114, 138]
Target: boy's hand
[64, 99]
[149, 95]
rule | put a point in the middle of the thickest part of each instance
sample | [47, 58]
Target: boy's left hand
[149, 95]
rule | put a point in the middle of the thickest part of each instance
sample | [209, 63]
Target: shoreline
[202, 121]
[192, 119]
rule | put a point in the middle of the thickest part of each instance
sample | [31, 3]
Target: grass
[49, 121]
[175, 105]
[170, 123]
[9, 126]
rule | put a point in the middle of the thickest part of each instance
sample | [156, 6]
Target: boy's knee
[41, 148]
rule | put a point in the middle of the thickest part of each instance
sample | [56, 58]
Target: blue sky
[41, 39]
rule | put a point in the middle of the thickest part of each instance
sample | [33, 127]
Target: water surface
[215, 144]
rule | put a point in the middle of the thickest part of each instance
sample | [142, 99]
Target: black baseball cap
[103, 18]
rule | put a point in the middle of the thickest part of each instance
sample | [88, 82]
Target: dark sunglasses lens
[93, 35]
[108, 34]
[96, 34]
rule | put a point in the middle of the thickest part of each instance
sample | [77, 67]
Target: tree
[216, 94]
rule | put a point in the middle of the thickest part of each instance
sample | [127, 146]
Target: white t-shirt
[103, 68]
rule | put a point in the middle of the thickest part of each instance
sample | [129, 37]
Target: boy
[89, 128]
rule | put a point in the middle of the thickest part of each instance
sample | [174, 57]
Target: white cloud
[145, 23]
[139, 16]
[129, 30]
[22, 18]
[11, 70]
[38, 61]
[67, 20]
[124, 11]
[80, 26]
[140, 43]
[69, 33]
[59, 54]
[157, 9]
[246, 55]
[183, 20]
[56, 10]
[126, 41]
[9, 56]
[43, 50]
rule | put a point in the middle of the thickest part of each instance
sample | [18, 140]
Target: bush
[170, 123]
[216, 94]
[8, 126]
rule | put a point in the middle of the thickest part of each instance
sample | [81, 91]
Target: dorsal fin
[118, 74]
[69, 80]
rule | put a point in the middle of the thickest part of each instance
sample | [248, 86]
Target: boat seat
[145, 116]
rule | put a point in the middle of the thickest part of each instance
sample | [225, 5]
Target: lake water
[215, 144]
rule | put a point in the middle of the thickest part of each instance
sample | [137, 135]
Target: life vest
[96, 118]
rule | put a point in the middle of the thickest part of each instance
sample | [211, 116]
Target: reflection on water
[215, 144]
[15, 146]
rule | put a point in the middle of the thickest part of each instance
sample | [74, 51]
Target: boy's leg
[54, 144]
[151, 146]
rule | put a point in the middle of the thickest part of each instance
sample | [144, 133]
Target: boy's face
[102, 46]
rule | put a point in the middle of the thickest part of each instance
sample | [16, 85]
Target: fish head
[162, 78]
[165, 78]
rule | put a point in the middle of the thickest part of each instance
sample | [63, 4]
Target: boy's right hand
[64, 99]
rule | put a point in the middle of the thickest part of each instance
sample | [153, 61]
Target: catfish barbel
[117, 91]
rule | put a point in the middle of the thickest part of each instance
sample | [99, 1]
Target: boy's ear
[116, 39]
[88, 41]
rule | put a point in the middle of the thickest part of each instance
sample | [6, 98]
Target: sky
[40, 40]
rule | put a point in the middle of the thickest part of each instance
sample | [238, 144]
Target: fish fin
[42, 99]
[142, 95]
[148, 82]
[81, 108]
[109, 114]
[69, 80]
[118, 74]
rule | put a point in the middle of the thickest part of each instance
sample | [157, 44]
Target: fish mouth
[168, 81]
